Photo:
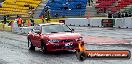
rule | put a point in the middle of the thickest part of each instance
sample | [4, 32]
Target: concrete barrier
[77, 21]
[119, 23]
[54, 20]
[25, 30]
[95, 22]
[15, 27]
[123, 23]
[128, 23]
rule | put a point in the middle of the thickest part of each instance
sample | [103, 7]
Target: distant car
[53, 37]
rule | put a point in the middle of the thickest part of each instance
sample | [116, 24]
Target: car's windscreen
[55, 28]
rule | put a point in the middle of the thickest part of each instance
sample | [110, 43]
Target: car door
[37, 37]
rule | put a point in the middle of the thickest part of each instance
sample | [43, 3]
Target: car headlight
[79, 39]
[54, 41]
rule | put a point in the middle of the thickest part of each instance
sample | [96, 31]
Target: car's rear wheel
[77, 51]
[30, 45]
[43, 47]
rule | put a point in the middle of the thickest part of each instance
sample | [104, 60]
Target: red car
[53, 37]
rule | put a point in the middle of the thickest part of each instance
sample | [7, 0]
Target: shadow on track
[53, 53]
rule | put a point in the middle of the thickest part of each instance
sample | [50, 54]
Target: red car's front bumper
[62, 46]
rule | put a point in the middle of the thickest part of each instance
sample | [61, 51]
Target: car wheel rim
[43, 48]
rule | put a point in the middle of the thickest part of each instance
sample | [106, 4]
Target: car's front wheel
[30, 45]
[43, 47]
[81, 56]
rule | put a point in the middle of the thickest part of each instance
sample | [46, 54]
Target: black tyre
[129, 55]
[43, 47]
[81, 56]
[77, 52]
[30, 45]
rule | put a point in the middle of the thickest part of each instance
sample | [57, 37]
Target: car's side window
[36, 28]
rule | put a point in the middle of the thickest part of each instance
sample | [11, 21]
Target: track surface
[14, 50]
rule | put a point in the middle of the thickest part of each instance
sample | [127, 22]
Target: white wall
[123, 22]
[96, 22]
[128, 22]
[77, 21]
[119, 22]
